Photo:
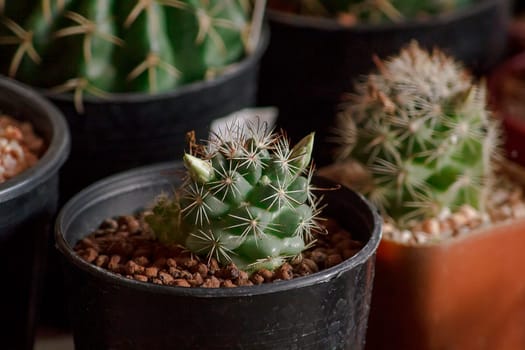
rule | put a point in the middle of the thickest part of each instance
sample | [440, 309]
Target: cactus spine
[98, 46]
[421, 128]
[247, 199]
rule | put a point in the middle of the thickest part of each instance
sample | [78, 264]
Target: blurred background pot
[126, 130]
[465, 293]
[519, 6]
[28, 203]
[326, 310]
[507, 97]
[312, 62]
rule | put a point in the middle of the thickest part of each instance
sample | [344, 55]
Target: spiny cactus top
[98, 46]
[421, 128]
[371, 11]
[247, 199]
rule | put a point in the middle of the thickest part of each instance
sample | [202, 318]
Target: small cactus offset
[371, 11]
[101, 46]
[421, 129]
[247, 199]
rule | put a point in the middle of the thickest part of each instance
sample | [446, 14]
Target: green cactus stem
[247, 199]
[421, 129]
[105, 46]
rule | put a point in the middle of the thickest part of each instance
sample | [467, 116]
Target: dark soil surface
[125, 246]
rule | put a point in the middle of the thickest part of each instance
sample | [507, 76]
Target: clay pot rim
[57, 149]
[137, 178]
[330, 24]
[514, 170]
[474, 234]
[236, 69]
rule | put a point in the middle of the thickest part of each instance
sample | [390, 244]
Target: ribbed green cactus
[422, 130]
[99, 46]
[372, 11]
[247, 199]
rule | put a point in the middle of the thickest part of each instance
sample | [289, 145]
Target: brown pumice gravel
[20, 147]
[505, 201]
[126, 246]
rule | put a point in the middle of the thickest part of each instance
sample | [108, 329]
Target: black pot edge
[130, 179]
[330, 24]
[57, 150]
[133, 97]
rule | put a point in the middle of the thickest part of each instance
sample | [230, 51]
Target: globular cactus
[421, 129]
[247, 199]
[100, 46]
[371, 11]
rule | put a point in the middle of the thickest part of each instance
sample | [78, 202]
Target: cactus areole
[421, 129]
[102, 46]
[247, 199]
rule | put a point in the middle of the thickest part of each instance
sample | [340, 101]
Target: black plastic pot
[127, 130]
[28, 203]
[326, 310]
[311, 62]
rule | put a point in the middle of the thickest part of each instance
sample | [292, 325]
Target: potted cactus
[133, 76]
[307, 86]
[426, 146]
[244, 205]
[30, 158]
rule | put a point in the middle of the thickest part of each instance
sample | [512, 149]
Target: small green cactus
[101, 46]
[247, 199]
[421, 129]
[374, 11]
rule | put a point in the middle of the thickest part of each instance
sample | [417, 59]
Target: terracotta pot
[464, 293]
[507, 98]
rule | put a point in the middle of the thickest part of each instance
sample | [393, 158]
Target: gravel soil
[20, 147]
[505, 201]
[126, 246]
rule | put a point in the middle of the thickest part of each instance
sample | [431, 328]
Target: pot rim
[330, 24]
[132, 180]
[477, 233]
[237, 69]
[57, 150]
